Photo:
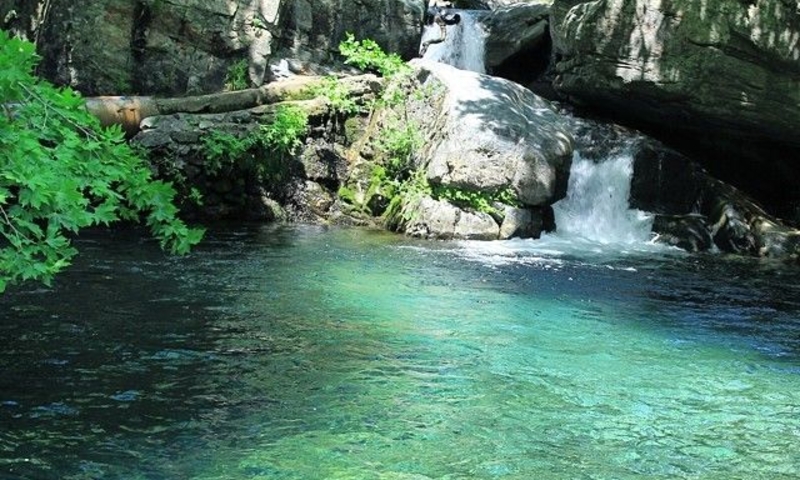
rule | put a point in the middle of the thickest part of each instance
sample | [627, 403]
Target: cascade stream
[463, 46]
[596, 208]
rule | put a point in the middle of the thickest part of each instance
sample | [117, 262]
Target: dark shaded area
[531, 68]
[764, 169]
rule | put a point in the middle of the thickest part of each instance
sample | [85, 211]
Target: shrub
[368, 55]
[61, 172]
[237, 76]
[262, 148]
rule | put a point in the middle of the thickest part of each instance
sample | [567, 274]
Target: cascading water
[594, 221]
[596, 207]
[595, 217]
[464, 45]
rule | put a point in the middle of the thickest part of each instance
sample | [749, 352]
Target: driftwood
[129, 111]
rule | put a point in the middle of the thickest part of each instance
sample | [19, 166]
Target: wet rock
[690, 232]
[520, 223]
[697, 208]
[438, 219]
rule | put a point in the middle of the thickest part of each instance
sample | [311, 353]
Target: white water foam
[464, 46]
[596, 207]
[595, 224]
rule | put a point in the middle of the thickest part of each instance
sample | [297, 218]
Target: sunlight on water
[301, 353]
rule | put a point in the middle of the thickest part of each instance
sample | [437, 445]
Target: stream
[307, 352]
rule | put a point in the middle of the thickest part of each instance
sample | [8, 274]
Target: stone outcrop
[489, 157]
[174, 47]
[492, 135]
[717, 67]
[696, 211]
[298, 187]
[519, 28]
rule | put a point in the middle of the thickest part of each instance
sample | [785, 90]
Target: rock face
[493, 134]
[722, 66]
[515, 29]
[174, 47]
[696, 211]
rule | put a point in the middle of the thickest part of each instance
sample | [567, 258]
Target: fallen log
[129, 111]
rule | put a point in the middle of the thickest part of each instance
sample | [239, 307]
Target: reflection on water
[293, 353]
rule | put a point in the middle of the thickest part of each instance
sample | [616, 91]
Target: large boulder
[189, 46]
[716, 67]
[486, 153]
[493, 135]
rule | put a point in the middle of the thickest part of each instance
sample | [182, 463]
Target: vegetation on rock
[368, 55]
[61, 172]
[260, 149]
[236, 78]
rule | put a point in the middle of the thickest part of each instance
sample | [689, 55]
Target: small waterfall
[596, 207]
[464, 46]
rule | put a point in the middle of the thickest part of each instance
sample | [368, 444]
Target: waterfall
[464, 46]
[596, 206]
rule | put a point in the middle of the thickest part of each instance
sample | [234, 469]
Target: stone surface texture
[718, 66]
[174, 47]
[493, 134]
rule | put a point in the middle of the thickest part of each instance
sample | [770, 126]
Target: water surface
[307, 353]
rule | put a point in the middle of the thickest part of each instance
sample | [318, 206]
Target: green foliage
[221, 148]
[284, 134]
[481, 201]
[368, 55]
[262, 148]
[407, 193]
[398, 142]
[337, 95]
[237, 76]
[61, 172]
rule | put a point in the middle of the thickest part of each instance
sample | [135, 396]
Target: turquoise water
[306, 353]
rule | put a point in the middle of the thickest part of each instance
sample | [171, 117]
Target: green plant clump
[284, 134]
[237, 76]
[61, 172]
[337, 95]
[368, 55]
[259, 149]
[481, 201]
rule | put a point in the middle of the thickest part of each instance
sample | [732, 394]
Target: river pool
[315, 353]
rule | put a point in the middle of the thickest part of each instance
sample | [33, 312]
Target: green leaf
[61, 172]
